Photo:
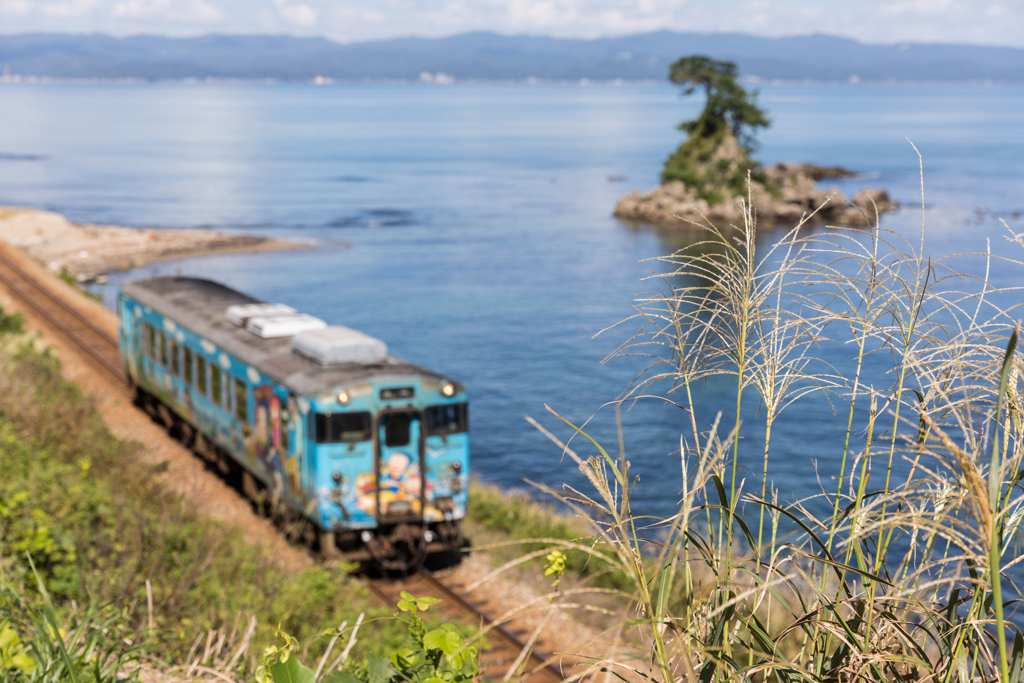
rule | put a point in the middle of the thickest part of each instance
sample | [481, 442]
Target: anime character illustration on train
[365, 452]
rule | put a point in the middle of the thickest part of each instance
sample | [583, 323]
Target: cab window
[449, 419]
[396, 430]
[342, 427]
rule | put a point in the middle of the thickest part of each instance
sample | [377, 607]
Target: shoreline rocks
[794, 194]
[89, 251]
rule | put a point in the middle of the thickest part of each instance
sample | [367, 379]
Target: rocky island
[712, 170]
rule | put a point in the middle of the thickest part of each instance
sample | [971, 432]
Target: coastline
[87, 252]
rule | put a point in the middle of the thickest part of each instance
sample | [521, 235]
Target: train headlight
[343, 397]
[448, 389]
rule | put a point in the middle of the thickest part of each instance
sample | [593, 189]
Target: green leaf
[402, 660]
[447, 641]
[340, 677]
[410, 602]
[291, 671]
[379, 670]
[1017, 659]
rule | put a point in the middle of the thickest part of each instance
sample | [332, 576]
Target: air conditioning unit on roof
[237, 315]
[337, 344]
[283, 325]
[270, 321]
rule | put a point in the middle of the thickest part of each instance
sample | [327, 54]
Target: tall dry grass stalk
[903, 569]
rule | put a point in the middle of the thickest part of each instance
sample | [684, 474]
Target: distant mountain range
[489, 56]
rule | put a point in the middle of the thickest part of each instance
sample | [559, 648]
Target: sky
[984, 22]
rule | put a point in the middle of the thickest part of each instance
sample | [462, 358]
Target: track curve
[507, 652]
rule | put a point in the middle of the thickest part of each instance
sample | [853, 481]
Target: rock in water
[783, 193]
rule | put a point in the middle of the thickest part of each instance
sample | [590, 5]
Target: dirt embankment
[88, 251]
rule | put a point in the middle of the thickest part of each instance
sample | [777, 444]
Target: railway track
[506, 652]
[94, 340]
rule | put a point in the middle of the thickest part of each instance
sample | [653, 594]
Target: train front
[392, 467]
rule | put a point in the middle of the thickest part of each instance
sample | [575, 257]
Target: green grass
[511, 524]
[66, 276]
[98, 526]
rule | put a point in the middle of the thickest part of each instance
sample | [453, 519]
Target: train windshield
[342, 427]
[449, 419]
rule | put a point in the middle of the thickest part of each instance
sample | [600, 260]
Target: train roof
[199, 305]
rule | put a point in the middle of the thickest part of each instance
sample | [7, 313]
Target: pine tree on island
[715, 158]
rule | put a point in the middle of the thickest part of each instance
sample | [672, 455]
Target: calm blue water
[470, 227]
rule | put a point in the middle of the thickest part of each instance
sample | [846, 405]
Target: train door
[399, 466]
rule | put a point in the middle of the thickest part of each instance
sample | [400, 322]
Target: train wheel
[148, 404]
[328, 547]
[250, 488]
[165, 417]
[187, 433]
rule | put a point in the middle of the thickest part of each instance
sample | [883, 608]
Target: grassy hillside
[97, 528]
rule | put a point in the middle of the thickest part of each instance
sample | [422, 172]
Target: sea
[470, 227]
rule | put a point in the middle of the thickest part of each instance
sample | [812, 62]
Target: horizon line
[242, 34]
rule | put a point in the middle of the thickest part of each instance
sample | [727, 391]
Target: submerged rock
[789, 192]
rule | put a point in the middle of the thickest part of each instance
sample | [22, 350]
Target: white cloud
[297, 13]
[75, 8]
[181, 11]
[998, 22]
[15, 8]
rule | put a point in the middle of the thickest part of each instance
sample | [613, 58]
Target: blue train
[358, 452]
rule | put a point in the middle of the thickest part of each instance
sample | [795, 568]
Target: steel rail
[542, 663]
[29, 297]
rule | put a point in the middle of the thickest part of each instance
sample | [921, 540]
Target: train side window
[215, 385]
[241, 400]
[342, 427]
[151, 335]
[449, 419]
[163, 349]
[187, 352]
[175, 359]
[201, 375]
